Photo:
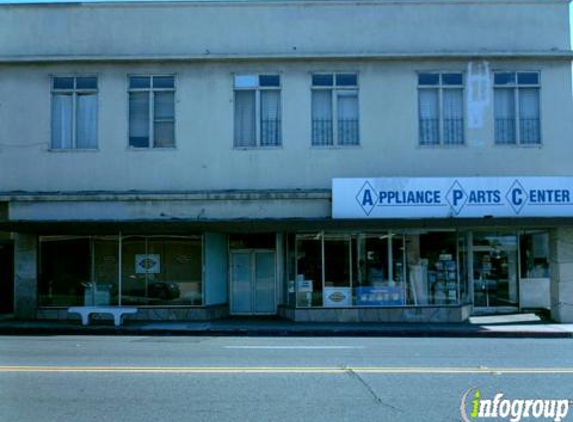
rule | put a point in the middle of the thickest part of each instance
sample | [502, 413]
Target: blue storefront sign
[452, 197]
[380, 296]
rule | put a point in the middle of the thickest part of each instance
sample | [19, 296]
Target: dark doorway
[6, 277]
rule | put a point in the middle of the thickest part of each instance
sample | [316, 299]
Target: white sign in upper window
[257, 110]
[74, 113]
[441, 108]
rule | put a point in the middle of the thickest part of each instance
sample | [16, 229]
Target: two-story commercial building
[373, 160]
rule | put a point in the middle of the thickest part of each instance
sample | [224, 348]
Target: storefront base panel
[146, 314]
[401, 314]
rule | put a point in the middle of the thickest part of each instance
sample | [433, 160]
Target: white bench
[117, 311]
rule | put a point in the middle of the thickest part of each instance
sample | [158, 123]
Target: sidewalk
[488, 327]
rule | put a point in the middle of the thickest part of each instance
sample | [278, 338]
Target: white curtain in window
[529, 115]
[348, 117]
[164, 109]
[453, 116]
[164, 105]
[86, 126]
[429, 116]
[322, 117]
[504, 105]
[270, 117]
[245, 118]
[62, 121]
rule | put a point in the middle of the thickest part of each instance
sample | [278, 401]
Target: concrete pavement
[521, 325]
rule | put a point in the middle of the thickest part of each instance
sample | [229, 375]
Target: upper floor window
[74, 113]
[257, 110]
[335, 109]
[441, 108]
[151, 111]
[517, 108]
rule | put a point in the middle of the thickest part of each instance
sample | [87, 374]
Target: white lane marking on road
[286, 369]
[294, 347]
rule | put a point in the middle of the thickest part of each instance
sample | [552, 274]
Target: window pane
[139, 82]
[163, 82]
[428, 79]
[534, 250]
[164, 135]
[106, 270]
[246, 81]
[63, 83]
[452, 79]
[245, 118]
[504, 116]
[322, 80]
[504, 78]
[86, 83]
[65, 272]
[348, 118]
[308, 270]
[270, 118]
[347, 79]
[86, 125]
[62, 121]
[429, 116]
[269, 80]
[337, 262]
[164, 107]
[322, 117]
[453, 116]
[528, 78]
[529, 116]
[139, 119]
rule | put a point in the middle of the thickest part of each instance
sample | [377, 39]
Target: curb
[277, 332]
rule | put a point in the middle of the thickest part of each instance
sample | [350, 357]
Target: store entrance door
[6, 277]
[253, 282]
[495, 272]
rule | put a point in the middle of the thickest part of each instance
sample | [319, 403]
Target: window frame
[516, 86]
[334, 89]
[75, 92]
[258, 126]
[440, 87]
[151, 90]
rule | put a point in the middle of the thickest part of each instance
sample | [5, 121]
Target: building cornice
[213, 56]
[216, 195]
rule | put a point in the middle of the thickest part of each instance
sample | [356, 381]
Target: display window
[409, 268]
[154, 270]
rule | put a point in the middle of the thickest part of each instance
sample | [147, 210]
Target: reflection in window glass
[64, 276]
[162, 270]
[309, 270]
[534, 259]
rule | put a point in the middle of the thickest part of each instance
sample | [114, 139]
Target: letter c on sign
[517, 196]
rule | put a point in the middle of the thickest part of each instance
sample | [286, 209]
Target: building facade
[318, 160]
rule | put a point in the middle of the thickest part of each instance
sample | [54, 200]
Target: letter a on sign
[367, 198]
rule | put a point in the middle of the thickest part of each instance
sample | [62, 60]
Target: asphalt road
[86, 378]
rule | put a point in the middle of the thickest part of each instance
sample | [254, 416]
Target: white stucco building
[405, 160]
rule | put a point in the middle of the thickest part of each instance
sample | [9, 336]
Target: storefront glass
[161, 271]
[155, 270]
[65, 271]
[413, 268]
[495, 266]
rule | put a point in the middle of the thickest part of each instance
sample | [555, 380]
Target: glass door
[495, 270]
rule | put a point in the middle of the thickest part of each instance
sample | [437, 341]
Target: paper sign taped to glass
[147, 264]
